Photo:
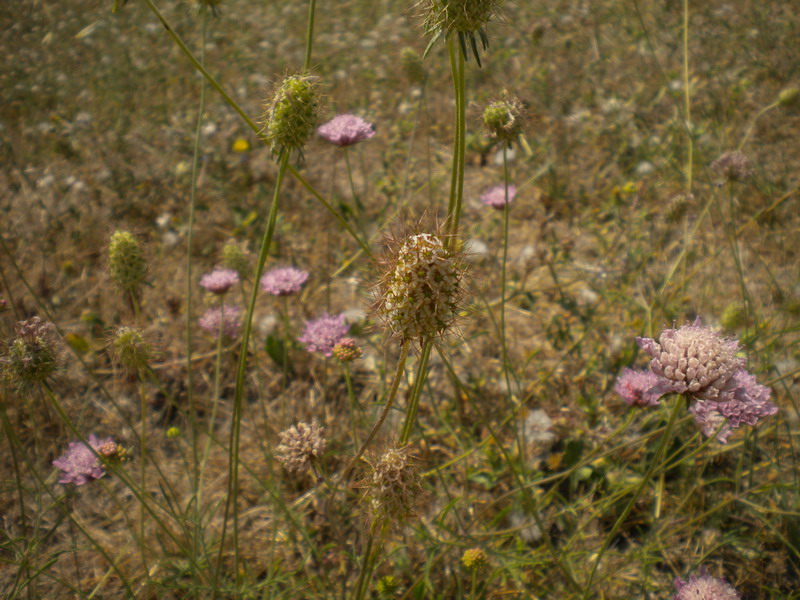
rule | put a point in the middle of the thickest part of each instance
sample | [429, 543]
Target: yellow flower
[240, 145]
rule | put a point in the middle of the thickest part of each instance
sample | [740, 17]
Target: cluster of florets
[126, 262]
[346, 350]
[131, 350]
[634, 387]
[346, 130]
[284, 281]
[322, 334]
[420, 293]
[700, 363]
[505, 119]
[474, 559]
[395, 484]
[79, 465]
[219, 281]
[228, 317]
[733, 166]
[292, 114]
[301, 446]
[32, 356]
[387, 586]
[704, 587]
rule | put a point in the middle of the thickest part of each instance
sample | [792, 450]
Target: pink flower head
[79, 465]
[495, 196]
[322, 334]
[704, 587]
[283, 281]
[346, 130]
[750, 403]
[231, 321]
[634, 387]
[219, 281]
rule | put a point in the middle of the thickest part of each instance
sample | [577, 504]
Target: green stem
[673, 415]
[356, 201]
[503, 346]
[416, 392]
[285, 345]
[364, 575]
[687, 98]
[353, 402]
[214, 405]
[459, 145]
[312, 7]
[142, 471]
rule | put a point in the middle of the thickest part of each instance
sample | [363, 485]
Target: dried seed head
[291, 115]
[235, 259]
[394, 486]
[678, 206]
[733, 166]
[419, 294]
[413, 68]
[126, 262]
[131, 350]
[505, 119]
[32, 356]
[301, 446]
[474, 559]
[458, 16]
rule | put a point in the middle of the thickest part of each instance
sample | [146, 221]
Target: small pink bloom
[346, 130]
[322, 334]
[79, 465]
[283, 281]
[495, 196]
[219, 281]
[231, 320]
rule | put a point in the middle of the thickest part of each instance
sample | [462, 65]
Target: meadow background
[619, 228]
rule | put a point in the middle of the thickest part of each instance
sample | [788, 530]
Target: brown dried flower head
[733, 166]
[395, 484]
[301, 446]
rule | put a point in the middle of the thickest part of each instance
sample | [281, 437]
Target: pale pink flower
[495, 196]
[704, 587]
[322, 334]
[219, 281]
[283, 281]
[346, 130]
[79, 465]
[231, 320]
[634, 387]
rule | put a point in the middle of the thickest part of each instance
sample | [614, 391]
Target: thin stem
[233, 458]
[142, 471]
[503, 346]
[687, 98]
[673, 415]
[363, 576]
[413, 402]
[459, 145]
[356, 201]
[312, 7]
[214, 403]
[353, 402]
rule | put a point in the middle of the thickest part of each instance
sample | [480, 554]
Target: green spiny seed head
[413, 68]
[387, 586]
[734, 316]
[420, 293]
[292, 114]
[131, 350]
[789, 96]
[234, 258]
[505, 119]
[474, 559]
[463, 16]
[173, 432]
[126, 262]
[31, 357]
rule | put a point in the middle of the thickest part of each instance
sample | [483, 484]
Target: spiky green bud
[291, 115]
[131, 350]
[505, 119]
[126, 263]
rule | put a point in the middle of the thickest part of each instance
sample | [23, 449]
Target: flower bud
[789, 96]
[505, 119]
[474, 559]
[126, 262]
[346, 350]
[131, 350]
[413, 68]
[291, 116]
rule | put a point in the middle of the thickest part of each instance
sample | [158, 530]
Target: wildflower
[322, 334]
[704, 587]
[292, 114]
[126, 263]
[234, 258]
[412, 66]
[173, 432]
[420, 292]
[32, 356]
[634, 387]
[219, 281]
[346, 350]
[240, 145]
[283, 281]
[474, 559]
[732, 166]
[346, 130]
[79, 465]
[229, 314]
[301, 446]
[464, 17]
[750, 403]
[131, 350]
[395, 484]
[505, 119]
[495, 196]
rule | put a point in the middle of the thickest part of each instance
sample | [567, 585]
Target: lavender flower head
[79, 465]
[634, 387]
[283, 281]
[230, 316]
[495, 196]
[219, 281]
[704, 587]
[346, 130]
[322, 334]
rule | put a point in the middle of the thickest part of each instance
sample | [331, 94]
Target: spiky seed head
[301, 446]
[732, 166]
[235, 259]
[387, 586]
[505, 119]
[31, 356]
[474, 559]
[126, 262]
[413, 68]
[395, 485]
[420, 292]
[458, 16]
[346, 350]
[789, 96]
[131, 349]
[291, 114]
